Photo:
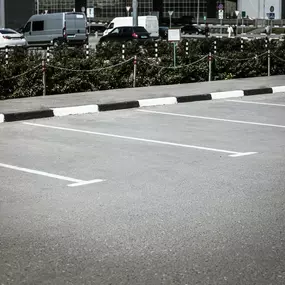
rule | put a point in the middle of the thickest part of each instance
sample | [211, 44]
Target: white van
[56, 28]
[150, 23]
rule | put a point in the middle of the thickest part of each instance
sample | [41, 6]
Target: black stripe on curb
[260, 91]
[11, 117]
[118, 106]
[192, 98]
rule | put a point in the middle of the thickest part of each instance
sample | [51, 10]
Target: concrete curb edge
[88, 109]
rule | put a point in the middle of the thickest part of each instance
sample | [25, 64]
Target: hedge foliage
[69, 70]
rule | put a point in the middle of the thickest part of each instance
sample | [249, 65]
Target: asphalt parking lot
[181, 194]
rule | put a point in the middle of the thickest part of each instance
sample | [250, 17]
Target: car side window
[116, 31]
[38, 26]
[127, 30]
[111, 26]
[27, 27]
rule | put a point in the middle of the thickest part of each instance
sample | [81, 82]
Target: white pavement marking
[213, 119]
[1, 118]
[227, 94]
[65, 111]
[231, 153]
[278, 89]
[257, 103]
[158, 101]
[75, 182]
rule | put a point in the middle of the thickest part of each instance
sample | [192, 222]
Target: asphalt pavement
[183, 194]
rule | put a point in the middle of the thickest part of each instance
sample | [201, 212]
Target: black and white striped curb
[88, 109]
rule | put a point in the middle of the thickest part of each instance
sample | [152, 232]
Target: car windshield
[140, 30]
[6, 32]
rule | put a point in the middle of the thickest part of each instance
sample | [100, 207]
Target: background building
[15, 13]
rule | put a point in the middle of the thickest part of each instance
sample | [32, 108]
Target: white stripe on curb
[158, 101]
[1, 118]
[227, 94]
[65, 111]
[278, 89]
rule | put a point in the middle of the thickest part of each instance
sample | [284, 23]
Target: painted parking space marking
[212, 119]
[257, 103]
[75, 182]
[229, 152]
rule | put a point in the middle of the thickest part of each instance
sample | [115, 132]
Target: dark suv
[189, 29]
[125, 34]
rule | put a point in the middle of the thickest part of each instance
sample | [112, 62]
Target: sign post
[170, 13]
[237, 15]
[174, 36]
[243, 15]
[221, 17]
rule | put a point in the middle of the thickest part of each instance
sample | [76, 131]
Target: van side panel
[76, 27]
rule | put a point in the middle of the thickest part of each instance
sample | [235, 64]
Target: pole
[2, 14]
[269, 63]
[198, 11]
[221, 24]
[135, 71]
[242, 27]
[237, 26]
[135, 12]
[174, 54]
[169, 21]
[210, 66]
[44, 75]
[38, 7]
[264, 22]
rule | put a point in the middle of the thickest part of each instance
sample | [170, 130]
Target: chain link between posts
[22, 74]
[240, 59]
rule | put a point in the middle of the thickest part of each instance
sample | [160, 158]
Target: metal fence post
[87, 51]
[135, 71]
[48, 54]
[241, 45]
[123, 51]
[44, 75]
[187, 48]
[210, 66]
[215, 47]
[269, 62]
[6, 56]
[156, 50]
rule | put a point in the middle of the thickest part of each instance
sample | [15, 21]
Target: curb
[89, 109]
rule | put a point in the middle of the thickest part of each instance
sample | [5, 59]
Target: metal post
[266, 44]
[135, 12]
[221, 29]
[123, 51]
[38, 7]
[264, 21]
[269, 63]
[174, 54]
[242, 26]
[198, 11]
[48, 54]
[135, 71]
[210, 66]
[237, 26]
[215, 47]
[44, 75]
[169, 21]
[7, 56]
[241, 45]
[156, 50]
[187, 48]
[87, 51]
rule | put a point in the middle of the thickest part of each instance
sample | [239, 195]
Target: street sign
[90, 13]
[205, 18]
[170, 13]
[237, 13]
[83, 9]
[272, 9]
[220, 7]
[174, 35]
[271, 16]
[243, 14]
[221, 14]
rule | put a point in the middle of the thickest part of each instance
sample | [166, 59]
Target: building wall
[256, 8]
[18, 12]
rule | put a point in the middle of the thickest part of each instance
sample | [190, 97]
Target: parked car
[189, 29]
[56, 28]
[163, 32]
[150, 23]
[10, 38]
[125, 34]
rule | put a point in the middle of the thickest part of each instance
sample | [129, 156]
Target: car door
[113, 35]
[27, 32]
[126, 34]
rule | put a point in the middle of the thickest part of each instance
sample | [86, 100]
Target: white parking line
[76, 182]
[257, 103]
[231, 153]
[211, 119]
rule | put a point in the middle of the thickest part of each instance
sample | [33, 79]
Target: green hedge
[68, 69]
